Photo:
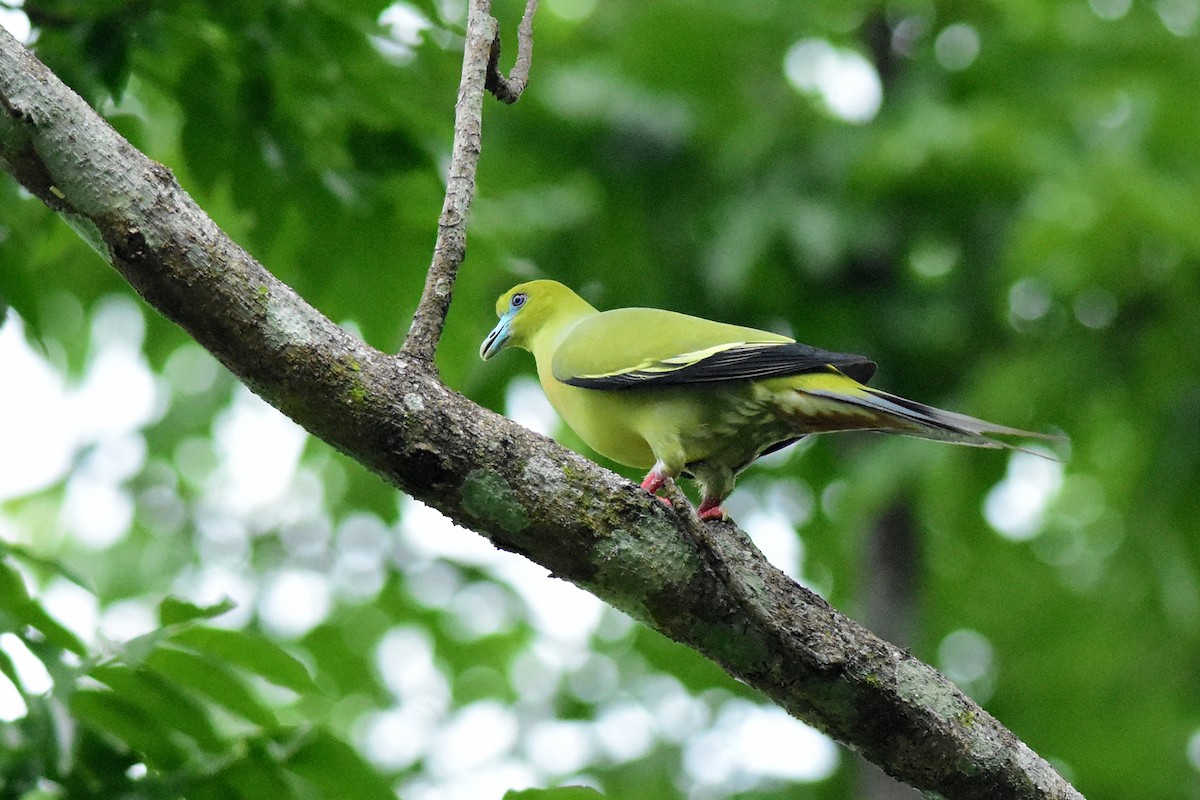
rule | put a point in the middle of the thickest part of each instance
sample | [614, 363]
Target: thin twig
[451, 247]
[508, 90]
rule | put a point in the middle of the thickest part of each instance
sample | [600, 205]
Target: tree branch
[521, 490]
[508, 90]
[479, 74]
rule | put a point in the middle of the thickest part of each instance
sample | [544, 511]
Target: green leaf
[250, 651]
[106, 712]
[13, 592]
[337, 769]
[15, 599]
[54, 565]
[214, 680]
[173, 610]
[160, 697]
[10, 670]
[256, 776]
[560, 793]
[19, 291]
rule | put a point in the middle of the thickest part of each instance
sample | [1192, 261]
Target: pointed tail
[833, 402]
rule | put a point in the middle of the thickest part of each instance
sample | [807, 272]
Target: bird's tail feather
[872, 409]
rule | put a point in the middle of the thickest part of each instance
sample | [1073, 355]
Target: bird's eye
[518, 300]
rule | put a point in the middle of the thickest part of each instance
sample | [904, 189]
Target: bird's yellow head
[528, 309]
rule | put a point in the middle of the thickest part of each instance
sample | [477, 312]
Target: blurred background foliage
[997, 201]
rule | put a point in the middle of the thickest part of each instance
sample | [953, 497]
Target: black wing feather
[749, 362]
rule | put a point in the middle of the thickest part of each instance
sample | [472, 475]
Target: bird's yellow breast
[731, 422]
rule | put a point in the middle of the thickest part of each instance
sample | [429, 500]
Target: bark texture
[704, 585]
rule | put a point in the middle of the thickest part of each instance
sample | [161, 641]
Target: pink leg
[710, 508]
[654, 481]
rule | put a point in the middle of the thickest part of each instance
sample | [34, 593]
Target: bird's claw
[711, 510]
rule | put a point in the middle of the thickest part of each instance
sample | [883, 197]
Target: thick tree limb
[704, 586]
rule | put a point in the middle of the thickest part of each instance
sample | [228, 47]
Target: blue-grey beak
[497, 339]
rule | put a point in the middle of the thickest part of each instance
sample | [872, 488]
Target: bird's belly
[732, 424]
[608, 422]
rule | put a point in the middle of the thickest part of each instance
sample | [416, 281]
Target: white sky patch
[96, 512]
[677, 714]
[481, 609]
[37, 445]
[492, 781]
[45, 423]
[557, 609]
[12, 705]
[30, 670]
[118, 393]
[394, 739]
[31, 673]
[844, 80]
[405, 26]
[127, 619]
[361, 552]
[294, 601]
[934, 259]
[75, 607]
[476, 735]
[775, 535]
[534, 676]
[1028, 301]
[750, 743]
[1016, 507]
[429, 533]
[526, 404]
[596, 680]
[15, 22]
[258, 450]
[560, 747]
[404, 660]
[595, 92]
[625, 731]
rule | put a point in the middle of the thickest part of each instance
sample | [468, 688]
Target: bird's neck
[551, 334]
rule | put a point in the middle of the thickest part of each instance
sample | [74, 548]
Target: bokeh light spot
[957, 46]
[845, 81]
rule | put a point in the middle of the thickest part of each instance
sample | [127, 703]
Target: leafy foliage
[1013, 233]
[174, 712]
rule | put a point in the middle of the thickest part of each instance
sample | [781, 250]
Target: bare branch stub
[508, 90]
[479, 75]
[451, 246]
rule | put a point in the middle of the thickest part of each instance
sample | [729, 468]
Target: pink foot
[711, 509]
[654, 481]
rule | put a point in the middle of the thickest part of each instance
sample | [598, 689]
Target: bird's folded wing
[638, 347]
